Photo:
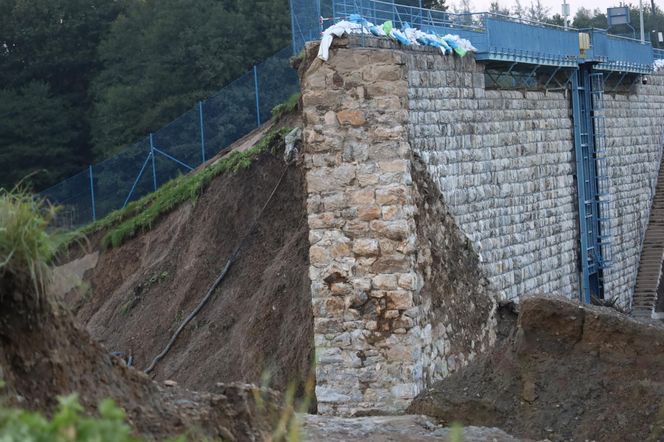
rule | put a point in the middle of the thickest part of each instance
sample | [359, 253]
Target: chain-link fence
[197, 135]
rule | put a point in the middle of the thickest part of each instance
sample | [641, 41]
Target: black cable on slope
[216, 281]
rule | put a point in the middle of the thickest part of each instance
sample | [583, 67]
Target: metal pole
[200, 115]
[292, 19]
[258, 110]
[154, 168]
[92, 194]
[643, 34]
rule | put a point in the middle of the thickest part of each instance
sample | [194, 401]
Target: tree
[556, 19]
[518, 10]
[582, 18]
[537, 11]
[438, 5]
[36, 135]
[53, 43]
[495, 8]
[164, 55]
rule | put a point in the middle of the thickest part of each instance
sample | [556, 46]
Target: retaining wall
[430, 198]
[634, 137]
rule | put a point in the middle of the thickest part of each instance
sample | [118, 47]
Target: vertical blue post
[200, 116]
[154, 168]
[258, 110]
[92, 194]
[292, 20]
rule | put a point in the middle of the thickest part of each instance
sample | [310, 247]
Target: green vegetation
[188, 50]
[26, 248]
[141, 215]
[287, 427]
[68, 424]
[287, 107]
[81, 78]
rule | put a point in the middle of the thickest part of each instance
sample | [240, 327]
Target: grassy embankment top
[140, 215]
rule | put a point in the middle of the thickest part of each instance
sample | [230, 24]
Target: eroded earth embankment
[258, 322]
[563, 372]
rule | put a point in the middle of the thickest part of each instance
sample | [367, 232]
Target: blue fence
[496, 37]
[194, 137]
[620, 53]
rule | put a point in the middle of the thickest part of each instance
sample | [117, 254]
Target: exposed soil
[259, 319]
[563, 372]
[462, 305]
[43, 354]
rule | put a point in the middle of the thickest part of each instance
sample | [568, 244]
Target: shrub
[286, 107]
[26, 248]
[68, 424]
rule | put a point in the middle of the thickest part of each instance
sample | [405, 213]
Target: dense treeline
[81, 78]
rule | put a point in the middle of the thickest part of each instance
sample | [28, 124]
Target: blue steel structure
[592, 179]
[497, 37]
[511, 44]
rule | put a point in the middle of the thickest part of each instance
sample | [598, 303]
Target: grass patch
[141, 215]
[288, 106]
[26, 248]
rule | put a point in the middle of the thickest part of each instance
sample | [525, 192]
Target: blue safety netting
[74, 198]
[208, 128]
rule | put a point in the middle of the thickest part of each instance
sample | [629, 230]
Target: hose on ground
[217, 281]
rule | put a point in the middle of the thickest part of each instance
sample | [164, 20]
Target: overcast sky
[554, 5]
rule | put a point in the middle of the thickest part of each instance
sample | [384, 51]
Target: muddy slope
[43, 355]
[259, 319]
[564, 372]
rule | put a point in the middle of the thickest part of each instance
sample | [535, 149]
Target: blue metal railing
[496, 37]
[529, 42]
[658, 54]
[500, 37]
[619, 53]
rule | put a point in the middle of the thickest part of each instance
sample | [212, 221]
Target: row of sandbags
[408, 35]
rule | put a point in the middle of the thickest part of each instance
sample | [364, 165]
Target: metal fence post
[92, 194]
[200, 115]
[292, 19]
[258, 109]
[154, 168]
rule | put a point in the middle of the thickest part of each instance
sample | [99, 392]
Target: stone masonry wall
[380, 338]
[429, 197]
[504, 162]
[362, 233]
[634, 139]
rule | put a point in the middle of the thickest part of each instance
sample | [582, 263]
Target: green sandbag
[460, 51]
[387, 27]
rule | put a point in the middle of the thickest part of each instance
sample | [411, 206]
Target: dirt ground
[259, 320]
[561, 372]
[44, 354]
